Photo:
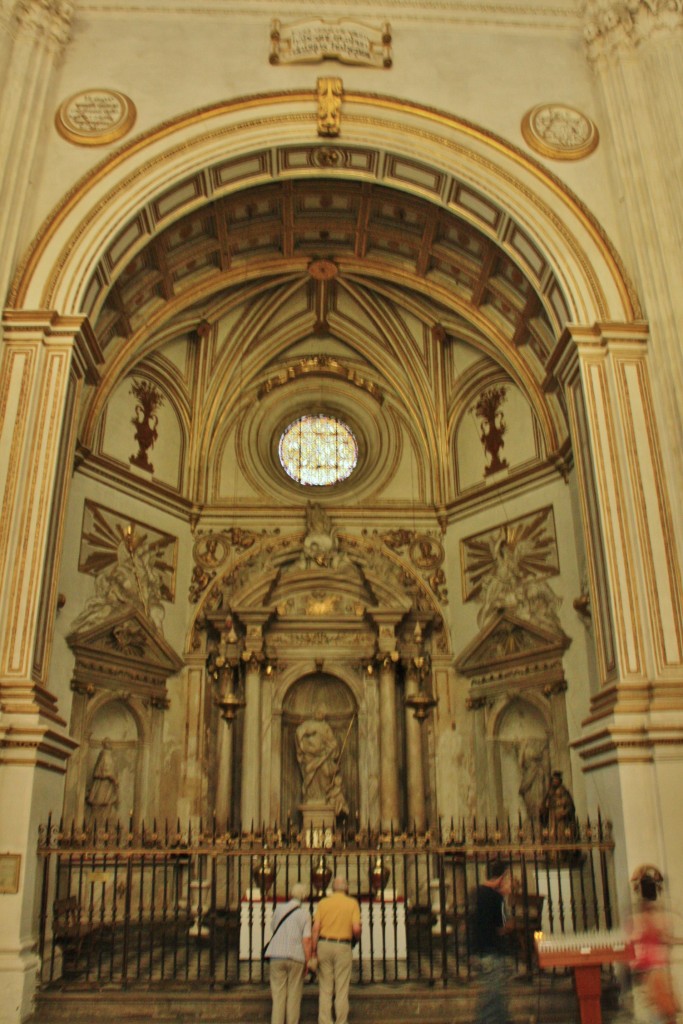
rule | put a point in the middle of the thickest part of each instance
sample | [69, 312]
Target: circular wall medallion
[559, 131]
[95, 117]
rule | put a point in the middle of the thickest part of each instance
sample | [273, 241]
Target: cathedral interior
[339, 422]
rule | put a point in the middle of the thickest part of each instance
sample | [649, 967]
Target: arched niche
[115, 728]
[119, 693]
[521, 751]
[319, 694]
[517, 698]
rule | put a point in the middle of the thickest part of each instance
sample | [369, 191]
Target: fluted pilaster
[636, 49]
[35, 36]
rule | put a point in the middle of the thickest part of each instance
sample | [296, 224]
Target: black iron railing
[135, 906]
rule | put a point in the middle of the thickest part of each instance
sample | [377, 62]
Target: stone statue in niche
[319, 755]
[133, 580]
[532, 757]
[558, 813]
[103, 792]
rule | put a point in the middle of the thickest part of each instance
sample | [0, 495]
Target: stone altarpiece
[330, 625]
[517, 699]
[119, 685]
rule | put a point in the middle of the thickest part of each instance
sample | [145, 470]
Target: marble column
[390, 802]
[417, 817]
[224, 780]
[251, 750]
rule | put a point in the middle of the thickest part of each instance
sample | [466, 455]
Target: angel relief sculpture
[134, 579]
[511, 585]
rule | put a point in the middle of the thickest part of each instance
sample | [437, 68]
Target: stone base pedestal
[318, 823]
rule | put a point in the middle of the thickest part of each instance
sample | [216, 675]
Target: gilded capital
[614, 27]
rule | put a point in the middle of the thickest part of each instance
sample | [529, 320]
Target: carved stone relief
[559, 131]
[612, 28]
[506, 569]
[133, 564]
[211, 551]
[426, 553]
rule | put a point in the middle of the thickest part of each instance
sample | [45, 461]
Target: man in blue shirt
[289, 951]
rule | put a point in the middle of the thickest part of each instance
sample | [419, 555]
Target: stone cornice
[613, 28]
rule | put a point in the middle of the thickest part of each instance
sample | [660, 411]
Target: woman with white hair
[288, 951]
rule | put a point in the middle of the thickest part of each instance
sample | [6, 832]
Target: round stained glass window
[318, 451]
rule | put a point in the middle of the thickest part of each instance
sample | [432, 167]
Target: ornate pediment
[124, 652]
[509, 649]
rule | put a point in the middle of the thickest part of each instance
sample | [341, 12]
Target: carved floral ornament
[51, 20]
[214, 549]
[558, 131]
[615, 26]
[321, 366]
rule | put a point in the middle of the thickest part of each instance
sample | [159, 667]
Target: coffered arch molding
[123, 192]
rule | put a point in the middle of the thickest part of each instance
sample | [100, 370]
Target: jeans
[492, 999]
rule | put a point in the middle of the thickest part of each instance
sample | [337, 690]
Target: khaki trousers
[335, 960]
[286, 989]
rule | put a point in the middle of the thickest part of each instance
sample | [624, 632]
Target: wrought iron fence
[191, 907]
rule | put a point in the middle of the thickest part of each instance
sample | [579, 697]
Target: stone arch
[59, 269]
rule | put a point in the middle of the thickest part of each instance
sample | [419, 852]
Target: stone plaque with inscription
[348, 41]
[95, 117]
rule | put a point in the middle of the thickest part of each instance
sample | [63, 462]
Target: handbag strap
[280, 922]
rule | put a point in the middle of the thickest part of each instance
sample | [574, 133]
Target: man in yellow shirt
[335, 924]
